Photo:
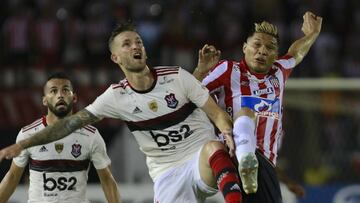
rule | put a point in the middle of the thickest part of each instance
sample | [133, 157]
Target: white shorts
[182, 184]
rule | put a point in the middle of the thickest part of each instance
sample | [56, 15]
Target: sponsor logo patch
[153, 106]
[59, 147]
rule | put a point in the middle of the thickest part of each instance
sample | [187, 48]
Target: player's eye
[256, 44]
[270, 47]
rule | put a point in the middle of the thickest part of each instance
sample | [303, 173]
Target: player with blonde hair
[252, 91]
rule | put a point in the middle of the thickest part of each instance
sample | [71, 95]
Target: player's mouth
[260, 61]
[61, 104]
[137, 56]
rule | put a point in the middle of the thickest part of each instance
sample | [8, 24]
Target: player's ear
[244, 47]
[75, 98]
[44, 101]
[114, 58]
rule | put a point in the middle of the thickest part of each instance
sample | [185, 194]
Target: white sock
[244, 136]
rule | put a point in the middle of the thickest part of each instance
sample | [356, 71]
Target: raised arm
[222, 121]
[60, 129]
[208, 58]
[311, 28]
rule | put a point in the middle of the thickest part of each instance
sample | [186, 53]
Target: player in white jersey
[59, 170]
[251, 91]
[161, 107]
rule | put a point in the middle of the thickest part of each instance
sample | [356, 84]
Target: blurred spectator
[16, 34]
[97, 30]
[47, 35]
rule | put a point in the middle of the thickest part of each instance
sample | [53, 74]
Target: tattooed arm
[58, 130]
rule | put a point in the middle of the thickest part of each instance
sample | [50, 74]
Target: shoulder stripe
[89, 129]
[164, 121]
[60, 165]
[161, 68]
[24, 130]
[167, 70]
[92, 127]
[33, 124]
[167, 73]
[115, 86]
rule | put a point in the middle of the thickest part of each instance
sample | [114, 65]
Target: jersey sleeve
[194, 90]
[213, 80]
[99, 156]
[23, 158]
[286, 64]
[104, 105]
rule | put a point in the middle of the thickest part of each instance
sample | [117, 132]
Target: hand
[229, 141]
[311, 24]
[209, 56]
[10, 152]
[296, 188]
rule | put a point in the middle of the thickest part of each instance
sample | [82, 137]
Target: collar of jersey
[257, 75]
[153, 72]
[44, 120]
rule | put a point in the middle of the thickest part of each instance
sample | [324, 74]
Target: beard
[61, 112]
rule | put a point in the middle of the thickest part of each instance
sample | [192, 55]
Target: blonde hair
[267, 28]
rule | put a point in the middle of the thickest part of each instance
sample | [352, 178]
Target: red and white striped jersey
[165, 119]
[236, 87]
[59, 169]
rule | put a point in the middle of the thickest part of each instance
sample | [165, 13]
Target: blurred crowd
[45, 34]
[41, 36]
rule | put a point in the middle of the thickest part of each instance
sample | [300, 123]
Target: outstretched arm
[10, 182]
[109, 185]
[311, 28]
[222, 121]
[208, 58]
[60, 129]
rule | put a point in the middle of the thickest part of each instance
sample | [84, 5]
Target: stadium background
[321, 147]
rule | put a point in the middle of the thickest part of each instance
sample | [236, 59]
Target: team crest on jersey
[76, 150]
[59, 147]
[274, 81]
[153, 106]
[171, 101]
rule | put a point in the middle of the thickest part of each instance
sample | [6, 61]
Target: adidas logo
[136, 110]
[235, 187]
[43, 149]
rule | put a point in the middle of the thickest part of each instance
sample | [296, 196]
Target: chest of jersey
[261, 95]
[164, 98]
[76, 146]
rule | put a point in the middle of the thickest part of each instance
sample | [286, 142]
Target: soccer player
[166, 109]
[59, 170]
[251, 91]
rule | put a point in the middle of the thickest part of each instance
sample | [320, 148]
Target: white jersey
[59, 170]
[165, 120]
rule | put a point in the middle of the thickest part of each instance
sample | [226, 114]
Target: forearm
[111, 191]
[199, 75]
[301, 47]
[8, 186]
[60, 129]
[222, 121]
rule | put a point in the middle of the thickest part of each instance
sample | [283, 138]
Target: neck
[52, 118]
[140, 80]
